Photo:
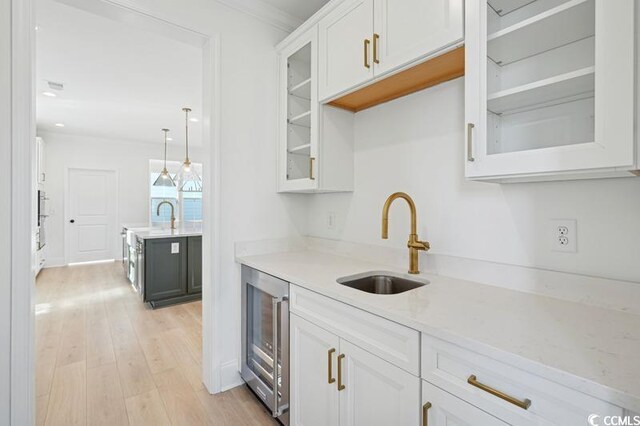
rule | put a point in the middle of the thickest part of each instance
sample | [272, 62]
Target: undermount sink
[382, 282]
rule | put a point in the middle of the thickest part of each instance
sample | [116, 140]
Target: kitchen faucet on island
[413, 244]
[173, 218]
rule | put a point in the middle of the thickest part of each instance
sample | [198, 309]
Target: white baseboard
[54, 262]
[230, 376]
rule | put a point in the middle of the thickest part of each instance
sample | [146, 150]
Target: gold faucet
[414, 244]
[173, 218]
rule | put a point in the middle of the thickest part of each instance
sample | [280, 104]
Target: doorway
[91, 215]
[20, 90]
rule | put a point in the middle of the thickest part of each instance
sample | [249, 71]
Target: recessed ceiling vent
[55, 86]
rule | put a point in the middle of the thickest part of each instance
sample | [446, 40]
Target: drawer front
[450, 366]
[391, 341]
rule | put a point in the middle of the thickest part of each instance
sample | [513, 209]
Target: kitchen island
[167, 263]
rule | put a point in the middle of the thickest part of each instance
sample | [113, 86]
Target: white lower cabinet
[314, 395]
[440, 408]
[334, 382]
[350, 367]
[375, 391]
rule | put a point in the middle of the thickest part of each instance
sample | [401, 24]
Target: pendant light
[165, 178]
[188, 179]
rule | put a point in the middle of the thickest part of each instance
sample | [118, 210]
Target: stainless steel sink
[382, 282]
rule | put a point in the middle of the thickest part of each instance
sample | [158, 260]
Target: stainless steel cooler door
[265, 355]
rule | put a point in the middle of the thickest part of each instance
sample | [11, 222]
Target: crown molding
[266, 13]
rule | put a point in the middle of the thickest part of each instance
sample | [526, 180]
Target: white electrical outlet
[563, 235]
[331, 220]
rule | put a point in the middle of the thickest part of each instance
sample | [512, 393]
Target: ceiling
[120, 81]
[301, 9]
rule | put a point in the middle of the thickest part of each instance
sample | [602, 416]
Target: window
[188, 205]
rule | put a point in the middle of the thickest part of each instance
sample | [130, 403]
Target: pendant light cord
[186, 131]
[165, 147]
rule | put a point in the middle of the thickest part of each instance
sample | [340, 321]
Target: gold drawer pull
[311, 160]
[330, 377]
[522, 404]
[425, 414]
[367, 42]
[376, 40]
[341, 386]
[470, 127]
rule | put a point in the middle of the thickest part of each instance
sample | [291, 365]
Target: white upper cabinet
[410, 29]
[315, 150]
[346, 37]
[299, 113]
[365, 40]
[549, 89]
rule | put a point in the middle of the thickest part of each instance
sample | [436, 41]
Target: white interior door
[411, 29]
[91, 215]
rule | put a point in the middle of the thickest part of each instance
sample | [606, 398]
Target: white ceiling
[121, 82]
[301, 9]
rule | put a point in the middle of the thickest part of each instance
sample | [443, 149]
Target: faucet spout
[173, 218]
[413, 244]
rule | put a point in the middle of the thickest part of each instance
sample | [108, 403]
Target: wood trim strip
[421, 76]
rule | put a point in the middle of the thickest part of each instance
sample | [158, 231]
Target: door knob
[72, 221]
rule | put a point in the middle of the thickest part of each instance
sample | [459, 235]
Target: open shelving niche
[299, 114]
[540, 74]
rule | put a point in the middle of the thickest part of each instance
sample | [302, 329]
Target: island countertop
[182, 230]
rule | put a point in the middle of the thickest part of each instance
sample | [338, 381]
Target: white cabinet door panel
[314, 401]
[411, 29]
[342, 47]
[587, 132]
[444, 409]
[376, 392]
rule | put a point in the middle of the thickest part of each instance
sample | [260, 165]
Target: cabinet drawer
[391, 341]
[450, 367]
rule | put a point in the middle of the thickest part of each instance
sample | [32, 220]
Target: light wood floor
[103, 358]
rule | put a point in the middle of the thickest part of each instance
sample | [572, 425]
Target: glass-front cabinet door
[548, 87]
[298, 128]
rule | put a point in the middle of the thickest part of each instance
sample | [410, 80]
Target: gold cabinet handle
[376, 39]
[470, 127]
[425, 413]
[311, 160]
[367, 42]
[522, 404]
[330, 377]
[341, 386]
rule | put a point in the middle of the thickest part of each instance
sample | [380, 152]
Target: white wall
[5, 213]
[415, 144]
[129, 158]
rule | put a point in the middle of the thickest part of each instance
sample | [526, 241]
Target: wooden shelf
[426, 74]
[302, 90]
[564, 86]
[301, 150]
[567, 23]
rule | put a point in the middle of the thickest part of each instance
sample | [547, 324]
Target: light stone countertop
[182, 230]
[591, 349]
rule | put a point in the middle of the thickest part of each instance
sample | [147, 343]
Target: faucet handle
[419, 245]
